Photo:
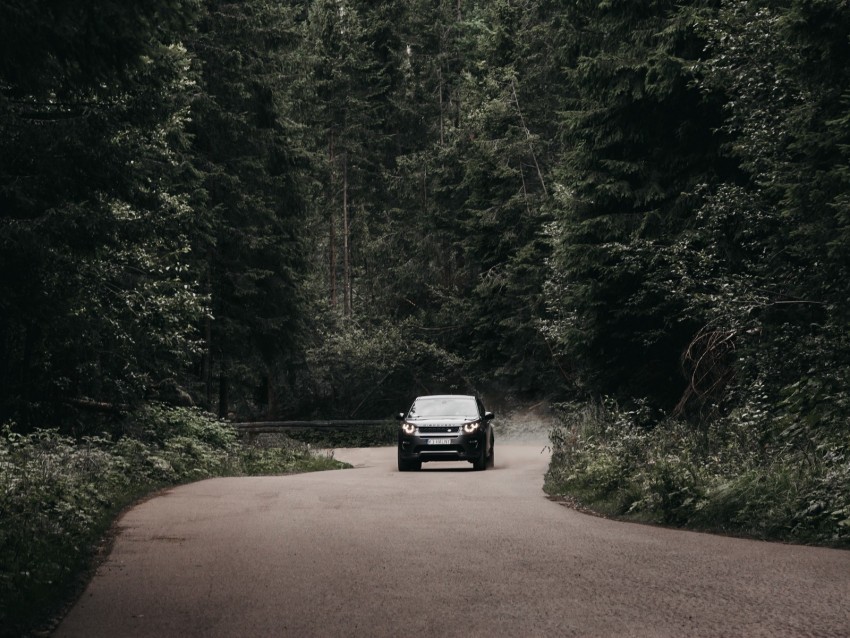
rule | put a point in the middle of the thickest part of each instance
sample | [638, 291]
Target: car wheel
[481, 462]
[491, 460]
[405, 465]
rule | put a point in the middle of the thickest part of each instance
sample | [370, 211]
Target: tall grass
[726, 477]
[59, 496]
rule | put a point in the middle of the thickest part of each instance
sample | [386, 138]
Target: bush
[725, 477]
[58, 496]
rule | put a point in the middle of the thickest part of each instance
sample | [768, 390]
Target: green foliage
[97, 297]
[250, 249]
[725, 478]
[784, 290]
[377, 367]
[156, 424]
[700, 261]
[638, 136]
[466, 195]
[58, 496]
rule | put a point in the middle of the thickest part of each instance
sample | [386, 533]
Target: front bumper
[457, 446]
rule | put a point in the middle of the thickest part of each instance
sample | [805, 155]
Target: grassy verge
[59, 496]
[726, 478]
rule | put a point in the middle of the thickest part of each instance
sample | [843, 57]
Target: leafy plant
[724, 478]
[58, 495]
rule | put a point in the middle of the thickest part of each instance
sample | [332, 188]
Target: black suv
[445, 427]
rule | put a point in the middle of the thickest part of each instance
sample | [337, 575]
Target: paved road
[442, 552]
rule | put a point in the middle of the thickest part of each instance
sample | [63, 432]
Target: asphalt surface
[441, 552]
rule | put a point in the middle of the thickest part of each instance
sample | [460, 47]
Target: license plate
[439, 441]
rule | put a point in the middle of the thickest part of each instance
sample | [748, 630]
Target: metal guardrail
[270, 427]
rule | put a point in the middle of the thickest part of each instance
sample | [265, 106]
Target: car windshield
[444, 406]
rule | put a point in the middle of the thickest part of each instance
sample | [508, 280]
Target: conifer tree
[254, 215]
[638, 139]
[98, 301]
[771, 255]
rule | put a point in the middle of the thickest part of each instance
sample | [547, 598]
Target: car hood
[441, 421]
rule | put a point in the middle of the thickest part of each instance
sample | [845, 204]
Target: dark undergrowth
[727, 477]
[59, 496]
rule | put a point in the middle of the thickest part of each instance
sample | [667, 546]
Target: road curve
[441, 552]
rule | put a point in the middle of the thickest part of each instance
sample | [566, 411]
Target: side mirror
[489, 416]
[399, 416]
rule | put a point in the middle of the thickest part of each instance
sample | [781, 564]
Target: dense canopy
[325, 208]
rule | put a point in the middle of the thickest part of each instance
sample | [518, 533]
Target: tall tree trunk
[271, 394]
[31, 338]
[206, 366]
[206, 371]
[332, 233]
[424, 188]
[346, 239]
[442, 125]
[332, 261]
[458, 54]
[223, 397]
[528, 137]
[5, 361]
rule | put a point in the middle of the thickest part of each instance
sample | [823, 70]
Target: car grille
[439, 429]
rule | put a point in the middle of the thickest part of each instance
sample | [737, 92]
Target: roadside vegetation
[722, 478]
[59, 496]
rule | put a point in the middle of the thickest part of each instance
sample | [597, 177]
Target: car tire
[491, 460]
[405, 465]
[480, 463]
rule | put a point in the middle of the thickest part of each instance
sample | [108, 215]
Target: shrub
[58, 496]
[724, 477]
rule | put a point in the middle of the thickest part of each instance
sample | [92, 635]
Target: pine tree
[772, 253]
[98, 302]
[639, 138]
[254, 214]
[344, 79]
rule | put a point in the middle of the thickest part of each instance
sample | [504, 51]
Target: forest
[637, 211]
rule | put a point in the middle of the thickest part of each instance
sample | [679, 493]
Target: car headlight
[469, 428]
[408, 428]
